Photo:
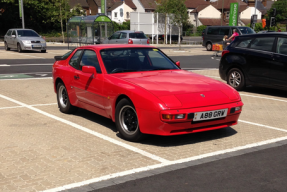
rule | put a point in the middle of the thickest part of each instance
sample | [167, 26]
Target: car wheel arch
[234, 66]
[117, 100]
[58, 80]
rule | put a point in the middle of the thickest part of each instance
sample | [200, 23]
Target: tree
[281, 11]
[177, 12]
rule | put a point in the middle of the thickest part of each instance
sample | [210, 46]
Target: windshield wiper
[155, 69]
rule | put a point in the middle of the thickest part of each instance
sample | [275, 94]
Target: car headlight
[26, 42]
[43, 41]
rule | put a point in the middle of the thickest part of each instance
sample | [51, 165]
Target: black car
[258, 59]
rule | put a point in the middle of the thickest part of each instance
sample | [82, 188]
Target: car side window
[89, 58]
[14, 32]
[212, 31]
[115, 36]
[74, 61]
[262, 43]
[9, 33]
[243, 43]
[282, 46]
[123, 36]
[224, 31]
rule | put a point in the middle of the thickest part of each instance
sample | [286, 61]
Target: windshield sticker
[155, 49]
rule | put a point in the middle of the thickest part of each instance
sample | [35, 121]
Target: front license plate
[206, 115]
[36, 46]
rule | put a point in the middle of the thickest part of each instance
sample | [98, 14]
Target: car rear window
[243, 42]
[137, 36]
[263, 43]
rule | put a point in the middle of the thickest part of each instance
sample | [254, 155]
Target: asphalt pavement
[260, 171]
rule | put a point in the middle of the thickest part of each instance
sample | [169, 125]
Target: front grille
[35, 42]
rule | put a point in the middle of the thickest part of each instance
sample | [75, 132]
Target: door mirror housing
[89, 69]
[178, 63]
[13, 36]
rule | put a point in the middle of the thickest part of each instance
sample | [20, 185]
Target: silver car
[127, 37]
[24, 39]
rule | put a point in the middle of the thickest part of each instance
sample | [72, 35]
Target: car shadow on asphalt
[266, 91]
[163, 141]
[187, 139]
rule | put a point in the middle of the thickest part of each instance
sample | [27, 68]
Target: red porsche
[142, 91]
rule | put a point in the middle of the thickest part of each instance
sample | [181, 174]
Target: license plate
[206, 115]
[36, 45]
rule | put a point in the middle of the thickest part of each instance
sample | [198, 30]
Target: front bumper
[34, 46]
[150, 122]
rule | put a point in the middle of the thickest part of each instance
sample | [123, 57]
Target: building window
[116, 14]
[121, 12]
[128, 15]
[227, 14]
[109, 13]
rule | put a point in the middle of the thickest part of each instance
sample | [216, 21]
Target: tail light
[224, 52]
[147, 41]
[130, 41]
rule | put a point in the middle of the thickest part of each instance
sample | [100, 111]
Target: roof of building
[211, 22]
[115, 5]
[195, 3]
[199, 8]
[247, 21]
[83, 3]
[148, 4]
[226, 5]
[129, 3]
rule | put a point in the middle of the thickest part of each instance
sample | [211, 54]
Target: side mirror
[178, 63]
[89, 69]
[13, 36]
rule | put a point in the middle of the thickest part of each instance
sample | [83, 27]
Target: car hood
[31, 38]
[179, 88]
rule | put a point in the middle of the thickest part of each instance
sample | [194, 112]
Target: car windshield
[27, 33]
[246, 30]
[135, 59]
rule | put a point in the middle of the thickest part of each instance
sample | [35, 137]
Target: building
[121, 10]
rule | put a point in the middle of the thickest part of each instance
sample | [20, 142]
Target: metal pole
[22, 8]
[222, 12]
[255, 7]
[106, 7]
[152, 22]
[157, 28]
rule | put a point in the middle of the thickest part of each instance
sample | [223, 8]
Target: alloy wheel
[63, 96]
[235, 79]
[128, 120]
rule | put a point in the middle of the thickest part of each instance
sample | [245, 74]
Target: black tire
[236, 79]
[19, 49]
[127, 121]
[43, 51]
[6, 47]
[209, 46]
[63, 100]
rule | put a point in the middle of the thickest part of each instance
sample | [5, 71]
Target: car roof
[116, 46]
[20, 29]
[264, 34]
[130, 31]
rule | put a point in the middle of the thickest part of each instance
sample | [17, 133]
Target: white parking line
[5, 65]
[25, 73]
[262, 97]
[25, 79]
[147, 168]
[22, 54]
[104, 137]
[29, 105]
[266, 126]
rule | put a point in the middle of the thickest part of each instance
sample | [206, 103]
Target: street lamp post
[22, 11]
[222, 16]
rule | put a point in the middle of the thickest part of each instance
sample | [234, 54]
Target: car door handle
[76, 77]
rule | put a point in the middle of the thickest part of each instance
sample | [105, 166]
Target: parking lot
[42, 148]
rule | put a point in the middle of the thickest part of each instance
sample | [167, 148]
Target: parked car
[142, 91]
[161, 37]
[127, 37]
[24, 39]
[259, 60]
[215, 34]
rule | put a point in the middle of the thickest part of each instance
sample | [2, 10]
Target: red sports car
[142, 91]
